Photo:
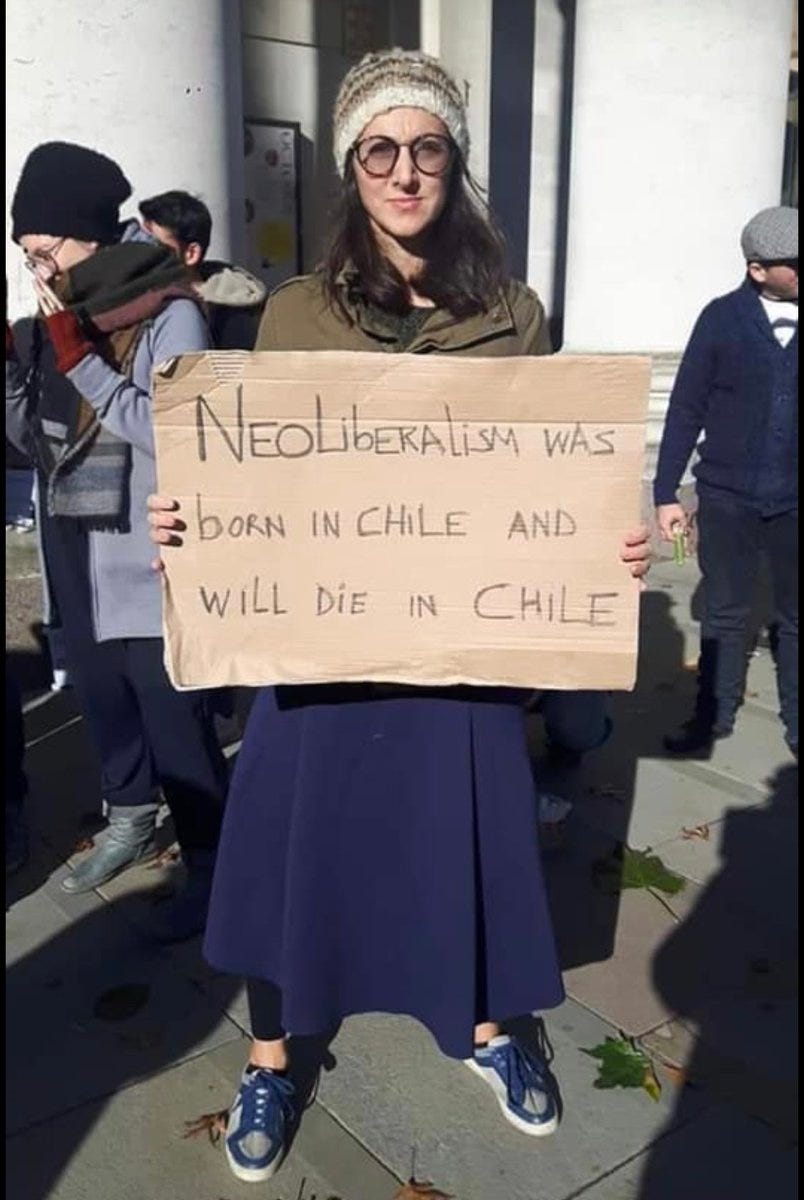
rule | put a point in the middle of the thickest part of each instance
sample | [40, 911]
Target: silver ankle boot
[128, 840]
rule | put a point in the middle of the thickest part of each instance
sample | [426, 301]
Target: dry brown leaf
[83, 843]
[676, 1075]
[166, 859]
[421, 1191]
[213, 1124]
[697, 831]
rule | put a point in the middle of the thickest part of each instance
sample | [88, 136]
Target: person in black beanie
[112, 303]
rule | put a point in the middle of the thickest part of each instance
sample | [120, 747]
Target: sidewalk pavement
[113, 1045]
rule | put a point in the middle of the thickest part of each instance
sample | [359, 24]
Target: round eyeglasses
[45, 258]
[431, 154]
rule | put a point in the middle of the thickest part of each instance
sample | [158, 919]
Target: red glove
[69, 340]
[11, 349]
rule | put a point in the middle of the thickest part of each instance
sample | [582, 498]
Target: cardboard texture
[409, 518]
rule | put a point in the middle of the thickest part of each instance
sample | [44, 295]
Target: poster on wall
[273, 209]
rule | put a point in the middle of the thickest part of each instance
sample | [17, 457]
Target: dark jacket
[299, 317]
[234, 300]
[739, 386]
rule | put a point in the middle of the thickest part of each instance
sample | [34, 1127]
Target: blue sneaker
[520, 1083]
[258, 1120]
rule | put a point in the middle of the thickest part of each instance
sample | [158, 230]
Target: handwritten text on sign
[407, 519]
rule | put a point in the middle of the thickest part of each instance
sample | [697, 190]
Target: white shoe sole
[492, 1079]
[252, 1174]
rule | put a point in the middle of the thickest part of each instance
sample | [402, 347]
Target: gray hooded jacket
[125, 590]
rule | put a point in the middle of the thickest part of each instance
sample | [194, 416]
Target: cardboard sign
[401, 518]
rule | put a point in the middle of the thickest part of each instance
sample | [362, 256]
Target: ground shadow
[98, 1007]
[602, 789]
[729, 971]
[91, 1010]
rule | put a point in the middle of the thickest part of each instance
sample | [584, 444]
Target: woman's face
[408, 200]
[47, 256]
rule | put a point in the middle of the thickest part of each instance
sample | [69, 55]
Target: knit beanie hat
[396, 78]
[771, 234]
[69, 191]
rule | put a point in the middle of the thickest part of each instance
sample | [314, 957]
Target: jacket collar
[440, 331]
[751, 305]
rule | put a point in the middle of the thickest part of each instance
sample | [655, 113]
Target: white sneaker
[520, 1082]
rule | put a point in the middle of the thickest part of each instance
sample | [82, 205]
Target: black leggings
[265, 1010]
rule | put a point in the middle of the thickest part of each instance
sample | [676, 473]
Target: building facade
[623, 143]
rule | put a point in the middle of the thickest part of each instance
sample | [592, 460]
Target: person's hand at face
[47, 258]
[49, 302]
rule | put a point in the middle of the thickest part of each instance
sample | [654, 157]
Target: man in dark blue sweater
[737, 384]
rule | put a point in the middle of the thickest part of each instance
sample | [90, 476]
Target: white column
[546, 151]
[677, 139]
[458, 32]
[154, 84]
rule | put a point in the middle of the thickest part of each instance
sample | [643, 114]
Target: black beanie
[69, 191]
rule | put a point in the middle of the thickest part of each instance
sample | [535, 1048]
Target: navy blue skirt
[379, 854]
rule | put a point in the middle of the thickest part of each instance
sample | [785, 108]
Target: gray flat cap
[771, 234]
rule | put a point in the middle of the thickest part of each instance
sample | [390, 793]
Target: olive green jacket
[298, 316]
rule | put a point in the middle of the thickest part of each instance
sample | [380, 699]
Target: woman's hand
[49, 302]
[635, 551]
[70, 342]
[166, 526]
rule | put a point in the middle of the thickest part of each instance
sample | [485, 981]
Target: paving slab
[731, 1077]
[621, 989]
[721, 1156]
[757, 855]
[352, 1172]
[664, 802]
[64, 795]
[131, 1147]
[60, 969]
[394, 1092]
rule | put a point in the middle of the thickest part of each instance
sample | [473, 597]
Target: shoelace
[521, 1073]
[263, 1086]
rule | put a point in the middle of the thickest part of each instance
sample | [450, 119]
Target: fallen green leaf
[627, 868]
[623, 1064]
[641, 869]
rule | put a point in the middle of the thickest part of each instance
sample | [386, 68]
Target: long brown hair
[465, 268]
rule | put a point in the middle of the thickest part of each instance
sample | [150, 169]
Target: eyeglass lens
[431, 154]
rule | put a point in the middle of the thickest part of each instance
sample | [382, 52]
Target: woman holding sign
[378, 851]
